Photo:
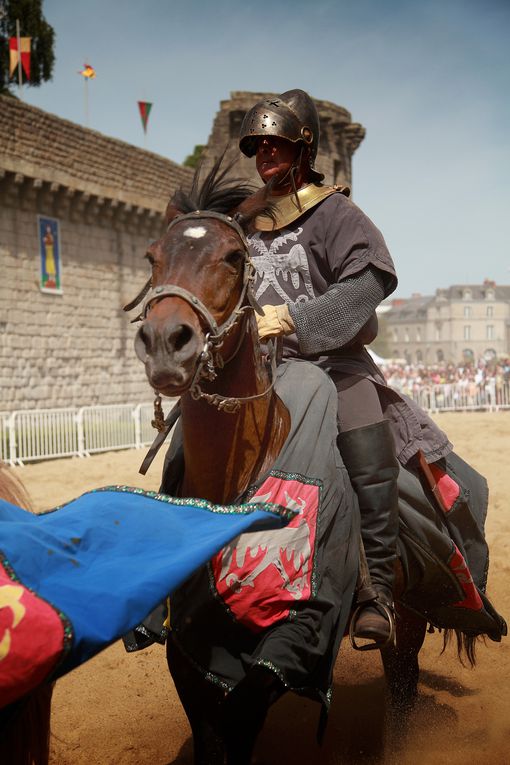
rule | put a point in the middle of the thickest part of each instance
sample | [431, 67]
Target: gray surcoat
[297, 264]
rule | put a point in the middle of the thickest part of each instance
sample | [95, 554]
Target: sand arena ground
[122, 709]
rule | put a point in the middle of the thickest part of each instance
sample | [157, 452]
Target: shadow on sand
[357, 731]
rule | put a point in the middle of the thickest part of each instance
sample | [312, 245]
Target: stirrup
[390, 618]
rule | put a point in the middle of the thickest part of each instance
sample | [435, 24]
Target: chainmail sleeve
[330, 321]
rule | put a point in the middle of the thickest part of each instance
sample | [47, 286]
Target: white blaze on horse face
[195, 232]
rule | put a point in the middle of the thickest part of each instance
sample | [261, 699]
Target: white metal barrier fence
[4, 435]
[45, 433]
[454, 397]
[28, 435]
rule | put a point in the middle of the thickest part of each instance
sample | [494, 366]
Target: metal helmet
[292, 116]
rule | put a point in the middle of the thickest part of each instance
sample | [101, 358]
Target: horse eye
[234, 258]
[149, 257]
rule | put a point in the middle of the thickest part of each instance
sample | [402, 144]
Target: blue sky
[429, 80]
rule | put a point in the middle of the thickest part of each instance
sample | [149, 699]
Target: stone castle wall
[74, 348]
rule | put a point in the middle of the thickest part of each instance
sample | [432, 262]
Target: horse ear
[171, 212]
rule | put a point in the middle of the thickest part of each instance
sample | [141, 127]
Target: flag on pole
[16, 52]
[88, 72]
[145, 109]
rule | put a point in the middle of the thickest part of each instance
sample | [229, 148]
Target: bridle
[215, 334]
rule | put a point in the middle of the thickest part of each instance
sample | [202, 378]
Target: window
[440, 355]
[395, 335]
[406, 335]
[418, 334]
[468, 354]
[467, 332]
[466, 295]
[490, 332]
[419, 356]
[438, 332]
[467, 311]
[489, 295]
[490, 311]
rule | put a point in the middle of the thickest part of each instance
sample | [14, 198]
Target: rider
[322, 268]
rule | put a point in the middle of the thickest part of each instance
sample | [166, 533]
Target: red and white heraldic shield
[31, 639]
[261, 575]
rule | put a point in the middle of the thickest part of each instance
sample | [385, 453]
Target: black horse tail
[466, 645]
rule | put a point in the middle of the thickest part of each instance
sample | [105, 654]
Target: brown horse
[25, 724]
[199, 340]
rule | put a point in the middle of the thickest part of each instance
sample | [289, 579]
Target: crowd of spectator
[482, 382]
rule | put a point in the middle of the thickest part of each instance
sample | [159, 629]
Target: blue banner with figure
[49, 253]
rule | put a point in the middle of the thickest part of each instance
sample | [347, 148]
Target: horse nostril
[180, 336]
[143, 342]
[145, 335]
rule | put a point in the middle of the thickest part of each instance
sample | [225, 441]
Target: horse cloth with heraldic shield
[442, 547]
[444, 556]
[74, 579]
[280, 600]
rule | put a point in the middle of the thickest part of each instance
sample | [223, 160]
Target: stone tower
[339, 139]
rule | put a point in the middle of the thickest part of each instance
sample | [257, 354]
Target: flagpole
[86, 81]
[20, 79]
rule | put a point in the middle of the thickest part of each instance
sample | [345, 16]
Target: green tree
[192, 160]
[34, 25]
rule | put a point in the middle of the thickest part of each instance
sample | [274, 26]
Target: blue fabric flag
[76, 578]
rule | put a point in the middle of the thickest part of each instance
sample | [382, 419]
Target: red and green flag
[145, 109]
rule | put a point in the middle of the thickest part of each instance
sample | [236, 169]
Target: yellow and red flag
[88, 72]
[145, 109]
[23, 52]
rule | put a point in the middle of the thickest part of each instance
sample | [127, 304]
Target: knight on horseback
[267, 613]
[322, 268]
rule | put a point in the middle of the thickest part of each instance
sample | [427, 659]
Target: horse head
[199, 294]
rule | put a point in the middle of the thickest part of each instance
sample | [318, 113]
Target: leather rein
[210, 358]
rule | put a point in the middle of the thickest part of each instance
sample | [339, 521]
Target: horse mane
[218, 192]
[11, 488]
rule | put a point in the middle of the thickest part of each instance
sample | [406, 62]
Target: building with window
[459, 323]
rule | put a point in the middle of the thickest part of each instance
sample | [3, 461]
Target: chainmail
[333, 319]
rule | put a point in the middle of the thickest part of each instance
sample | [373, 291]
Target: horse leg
[401, 661]
[202, 702]
[25, 728]
[245, 710]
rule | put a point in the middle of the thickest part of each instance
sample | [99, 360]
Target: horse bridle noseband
[215, 334]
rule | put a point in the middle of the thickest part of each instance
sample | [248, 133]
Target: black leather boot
[369, 457]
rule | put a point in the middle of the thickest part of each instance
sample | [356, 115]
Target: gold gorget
[287, 210]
